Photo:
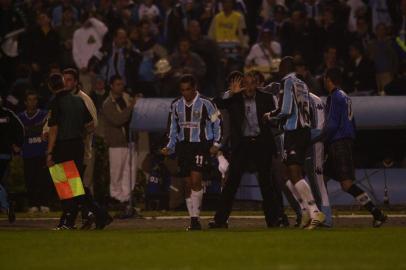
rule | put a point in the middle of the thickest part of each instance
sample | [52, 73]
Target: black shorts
[192, 157]
[340, 164]
[296, 143]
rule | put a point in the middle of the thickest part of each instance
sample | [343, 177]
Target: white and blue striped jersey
[318, 115]
[295, 104]
[198, 122]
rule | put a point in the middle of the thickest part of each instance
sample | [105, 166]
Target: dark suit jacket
[235, 107]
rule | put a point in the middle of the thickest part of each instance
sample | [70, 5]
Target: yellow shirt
[226, 28]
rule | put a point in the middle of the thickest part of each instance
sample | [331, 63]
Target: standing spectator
[34, 152]
[184, 61]
[166, 81]
[11, 140]
[87, 40]
[211, 54]
[210, 9]
[380, 13]
[151, 51]
[42, 48]
[400, 30]
[99, 93]
[383, 54]
[356, 7]
[276, 23]
[362, 34]
[57, 12]
[148, 11]
[118, 58]
[229, 26]
[65, 31]
[117, 111]
[298, 35]
[263, 53]
[360, 71]
[305, 75]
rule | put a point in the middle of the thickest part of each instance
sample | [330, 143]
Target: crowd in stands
[150, 43]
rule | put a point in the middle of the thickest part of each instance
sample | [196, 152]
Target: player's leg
[305, 216]
[196, 197]
[341, 152]
[296, 143]
[318, 183]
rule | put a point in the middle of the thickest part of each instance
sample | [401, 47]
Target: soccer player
[194, 134]
[339, 135]
[295, 111]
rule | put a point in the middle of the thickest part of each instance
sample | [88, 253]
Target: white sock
[306, 193]
[296, 195]
[196, 197]
[189, 206]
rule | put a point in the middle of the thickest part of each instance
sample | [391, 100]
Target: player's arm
[332, 123]
[215, 120]
[18, 132]
[52, 132]
[287, 101]
[172, 130]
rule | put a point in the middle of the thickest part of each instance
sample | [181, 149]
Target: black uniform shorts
[296, 143]
[192, 156]
[340, 163]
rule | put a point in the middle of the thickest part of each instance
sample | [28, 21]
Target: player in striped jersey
[295, 112]
[194, 134]
[316, 158]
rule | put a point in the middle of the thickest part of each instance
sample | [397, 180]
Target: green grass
[363, 248]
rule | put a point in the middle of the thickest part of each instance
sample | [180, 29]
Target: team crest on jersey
[196, 114]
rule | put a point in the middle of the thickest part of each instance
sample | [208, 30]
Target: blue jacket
[340, 122]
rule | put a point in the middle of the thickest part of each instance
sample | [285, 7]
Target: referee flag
[67, 180]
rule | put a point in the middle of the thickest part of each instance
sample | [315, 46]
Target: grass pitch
[284, 249]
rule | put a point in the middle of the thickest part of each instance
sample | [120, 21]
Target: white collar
[289, 75]
[33, 116]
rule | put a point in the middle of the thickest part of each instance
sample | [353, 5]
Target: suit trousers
[252, 151]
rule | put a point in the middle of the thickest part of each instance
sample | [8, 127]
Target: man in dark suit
[252, 143]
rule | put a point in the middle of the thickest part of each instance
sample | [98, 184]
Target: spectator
[383, 54]
[360, 72]
[357, 7]
[362, 34]
[57, 12]
[299, 36]
[42, 48]
[34, 152]
[397, 86]
[380, 13]
[148, 11]
[184, 61]
[167, 83]
[277, 23]
[329, 61]
[304, 74]
[117, 110]
[209, 10]
[263, 53]
[229, 26]
[173, 26]
[118, 58]
[87, 40]
[151, 51]
[65, 31]
[99, 93]
[331, 31]
[400, 30]
[211, 54]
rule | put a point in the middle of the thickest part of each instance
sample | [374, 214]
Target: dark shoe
[194, 225]
[215, 225]
[64, 228]
[379, 219]
[11, 216]
[88, 222]
[104, 220]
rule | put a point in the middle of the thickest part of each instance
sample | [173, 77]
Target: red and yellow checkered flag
[67, 180]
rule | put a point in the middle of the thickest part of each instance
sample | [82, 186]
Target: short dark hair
[29, 93]
[252, 74]
[288, 62]
[259, 77]
[188, 78]
[71, 71]
[55, 81]
[115, 78]
[334, 75]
